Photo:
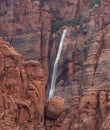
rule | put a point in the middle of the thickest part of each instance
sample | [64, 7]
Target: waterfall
[56, 65]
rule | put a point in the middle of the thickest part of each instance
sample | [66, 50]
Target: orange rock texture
[55, 113]
[34, 28]
[22, 91]
[55, 107]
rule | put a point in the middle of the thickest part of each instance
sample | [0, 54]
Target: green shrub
[42, 2]
[67, 111]
[93, 2]
[71, 22]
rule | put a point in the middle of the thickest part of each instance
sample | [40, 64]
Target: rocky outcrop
[55, 107]
[22, 91]
[92, 112]
[55, 113]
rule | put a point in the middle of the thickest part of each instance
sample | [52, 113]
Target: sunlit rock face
[22, 91]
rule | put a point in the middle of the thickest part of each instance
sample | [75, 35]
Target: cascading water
[56, 65]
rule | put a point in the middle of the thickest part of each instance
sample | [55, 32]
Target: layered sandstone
[83, 72]
[27, 26]
[20, 25]
[85, 55]
[92, 112]
[22, 91]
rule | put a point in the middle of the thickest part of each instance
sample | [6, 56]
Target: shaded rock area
[84, 60]
[26, 25]
[83, 70]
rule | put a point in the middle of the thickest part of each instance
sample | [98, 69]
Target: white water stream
[52, 88]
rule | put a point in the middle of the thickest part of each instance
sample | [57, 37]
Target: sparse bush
[71, 22]
[93, 2]
[42, 2]
[67, 111]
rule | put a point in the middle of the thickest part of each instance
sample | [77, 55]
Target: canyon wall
[83, 73]
[22, 91]
[34, 28]
[26, 25]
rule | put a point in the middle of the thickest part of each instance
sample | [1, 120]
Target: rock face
[83, 73]
[64, 9]
[92, 113]
[34, 28]
[55, 107]
[55, 113]
[19, 22]
[22, 91]
[26, 25]
[84, 60]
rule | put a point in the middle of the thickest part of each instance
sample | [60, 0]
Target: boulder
[55, 107]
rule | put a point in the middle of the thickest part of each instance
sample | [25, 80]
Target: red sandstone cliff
[35, 29]
[22, 91]
[27, 26]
